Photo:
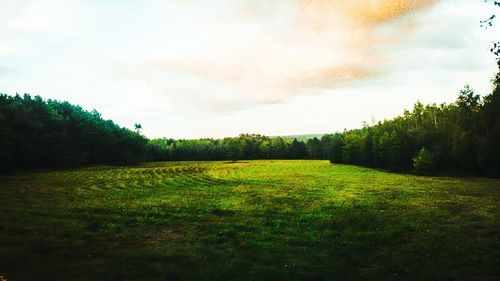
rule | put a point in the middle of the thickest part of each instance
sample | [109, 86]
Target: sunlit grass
[252, 220]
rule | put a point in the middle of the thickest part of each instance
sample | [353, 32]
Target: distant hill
[303, 137]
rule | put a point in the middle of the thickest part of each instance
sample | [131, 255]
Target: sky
[217, 68]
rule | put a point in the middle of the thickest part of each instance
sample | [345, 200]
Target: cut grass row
[255, 220]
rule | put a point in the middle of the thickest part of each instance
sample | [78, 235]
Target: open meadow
[249, 220]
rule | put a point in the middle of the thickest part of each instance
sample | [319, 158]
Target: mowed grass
[252, 220]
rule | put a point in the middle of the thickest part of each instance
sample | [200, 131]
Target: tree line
[35, 133]
[457, 138]
[243, 147]
[461, 138]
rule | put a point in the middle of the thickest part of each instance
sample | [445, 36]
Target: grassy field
[256, 220]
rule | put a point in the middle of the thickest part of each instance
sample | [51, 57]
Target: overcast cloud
[223, 67]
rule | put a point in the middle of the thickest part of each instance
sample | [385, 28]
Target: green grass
[256, 220]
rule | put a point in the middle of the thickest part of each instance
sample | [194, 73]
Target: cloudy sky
[215, 68]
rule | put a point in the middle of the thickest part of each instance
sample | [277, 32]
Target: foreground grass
[257, 220]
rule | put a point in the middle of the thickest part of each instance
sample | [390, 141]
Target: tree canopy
[37, 133]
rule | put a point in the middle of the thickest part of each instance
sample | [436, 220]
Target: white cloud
[192, 69]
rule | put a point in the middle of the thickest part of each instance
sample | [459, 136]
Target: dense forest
[36, 133]
[246, 146]
[459, 138]
[462, 137]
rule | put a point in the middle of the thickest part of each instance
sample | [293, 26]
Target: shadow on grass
[353, 242]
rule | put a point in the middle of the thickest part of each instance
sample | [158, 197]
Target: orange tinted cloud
[361, 18]
[358, 12]
[268, 52]
[333, 76]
